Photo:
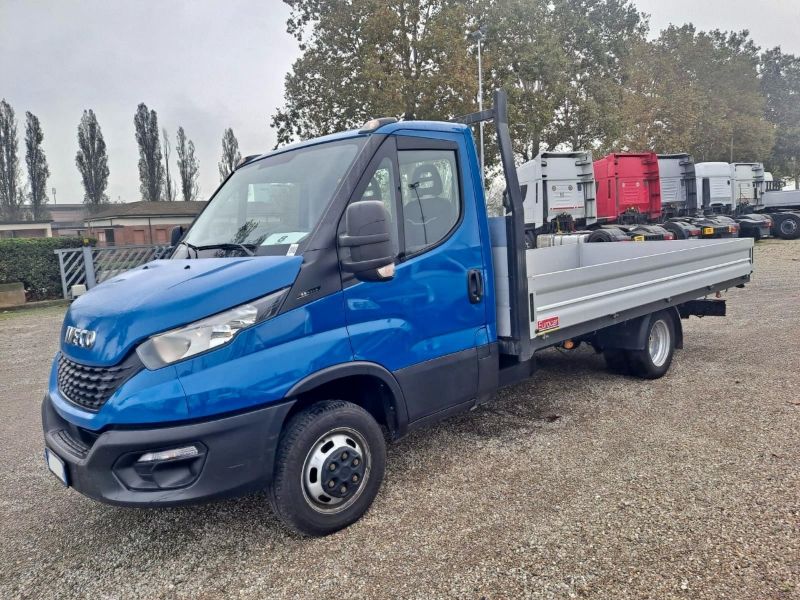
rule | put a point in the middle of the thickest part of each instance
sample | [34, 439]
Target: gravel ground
[576, 484]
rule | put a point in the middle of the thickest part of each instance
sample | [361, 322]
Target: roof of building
[148, 209]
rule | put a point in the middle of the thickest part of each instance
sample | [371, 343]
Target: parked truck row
[339, 293]
[643, 196]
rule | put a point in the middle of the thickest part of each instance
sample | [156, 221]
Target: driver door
[422, 325]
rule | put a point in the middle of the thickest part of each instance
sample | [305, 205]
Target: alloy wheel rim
[658, 343]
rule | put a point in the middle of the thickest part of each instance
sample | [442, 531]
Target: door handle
[475, 285]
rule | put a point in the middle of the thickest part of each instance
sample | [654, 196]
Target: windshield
[271, 205]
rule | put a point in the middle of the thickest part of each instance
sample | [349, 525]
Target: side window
[430, 195]
[381, 187]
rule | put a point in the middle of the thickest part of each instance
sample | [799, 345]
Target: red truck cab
[628, 189]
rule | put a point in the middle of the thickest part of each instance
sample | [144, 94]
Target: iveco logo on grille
[83, 338]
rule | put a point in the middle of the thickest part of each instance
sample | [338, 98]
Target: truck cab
[628, 188]
[714, 187]
[559, 191]
[677, 180]
[335, 295]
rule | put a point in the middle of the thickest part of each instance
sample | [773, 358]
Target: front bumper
[237, 456]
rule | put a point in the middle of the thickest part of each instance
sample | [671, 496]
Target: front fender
[358, 368]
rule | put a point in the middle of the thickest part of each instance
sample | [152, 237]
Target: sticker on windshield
[290, 237]
[292, 250]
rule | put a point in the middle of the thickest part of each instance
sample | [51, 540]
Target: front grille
[90, 387]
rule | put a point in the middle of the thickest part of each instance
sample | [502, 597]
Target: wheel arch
[366, 384]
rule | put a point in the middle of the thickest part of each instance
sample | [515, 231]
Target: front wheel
[654, 359]
[329, 467]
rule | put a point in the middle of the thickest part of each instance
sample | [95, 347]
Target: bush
[33, 262]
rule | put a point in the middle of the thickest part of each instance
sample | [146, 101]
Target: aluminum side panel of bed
[575, 288]
[581, 283]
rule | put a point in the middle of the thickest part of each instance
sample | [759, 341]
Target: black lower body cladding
[235, 455]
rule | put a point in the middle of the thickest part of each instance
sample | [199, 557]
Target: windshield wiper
[190, 246]
[246, 248]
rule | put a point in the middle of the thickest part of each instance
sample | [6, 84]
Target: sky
[208, 66]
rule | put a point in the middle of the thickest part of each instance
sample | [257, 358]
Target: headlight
[211, 332]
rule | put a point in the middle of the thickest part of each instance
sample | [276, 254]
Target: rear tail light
[768, 223]
[694, 232]
[669, 236]
[733, 228]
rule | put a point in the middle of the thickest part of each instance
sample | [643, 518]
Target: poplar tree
[92, 160]
[38, 171]
[151, 169]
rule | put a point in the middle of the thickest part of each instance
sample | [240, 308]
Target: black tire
[611, 234]
[302, 445]
[654, 360]
[787, 226]
[676, 230]
[617, 361]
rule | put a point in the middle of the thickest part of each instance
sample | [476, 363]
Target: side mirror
[175, 235]
[368, 235]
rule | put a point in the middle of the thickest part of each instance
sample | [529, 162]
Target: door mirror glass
[175, 235]
[367, 234]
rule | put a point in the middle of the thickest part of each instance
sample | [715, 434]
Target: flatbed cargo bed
[577, 288]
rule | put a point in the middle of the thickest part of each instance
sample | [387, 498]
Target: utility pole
[54, 195]
[478, 36]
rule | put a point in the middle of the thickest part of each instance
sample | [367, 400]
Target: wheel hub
[342, 472]
[335, 470]
[788, 226]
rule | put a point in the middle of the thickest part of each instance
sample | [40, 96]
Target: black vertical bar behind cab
[518, 343]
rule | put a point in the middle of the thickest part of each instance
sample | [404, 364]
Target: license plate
[708, 231]
[56, 466]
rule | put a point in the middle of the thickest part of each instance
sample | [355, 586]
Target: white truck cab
[677, 180]
[714, 186]
[748, 183]
[558, 191]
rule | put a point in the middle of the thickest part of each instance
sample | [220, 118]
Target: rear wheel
[787, 226]
[679, 232]
[654, 360]
[611, 234]
[329, 467]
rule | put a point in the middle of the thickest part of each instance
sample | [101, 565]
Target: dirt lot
[576, 484]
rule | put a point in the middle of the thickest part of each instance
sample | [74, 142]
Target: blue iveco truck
[335, 295]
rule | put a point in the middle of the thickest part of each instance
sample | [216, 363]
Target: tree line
[21, 200]
[581, 74]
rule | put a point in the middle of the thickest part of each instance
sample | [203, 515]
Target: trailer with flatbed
[336, 294]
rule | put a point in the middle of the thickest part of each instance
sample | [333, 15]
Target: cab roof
[387, 129]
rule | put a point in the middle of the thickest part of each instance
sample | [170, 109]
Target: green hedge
[33, 262]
